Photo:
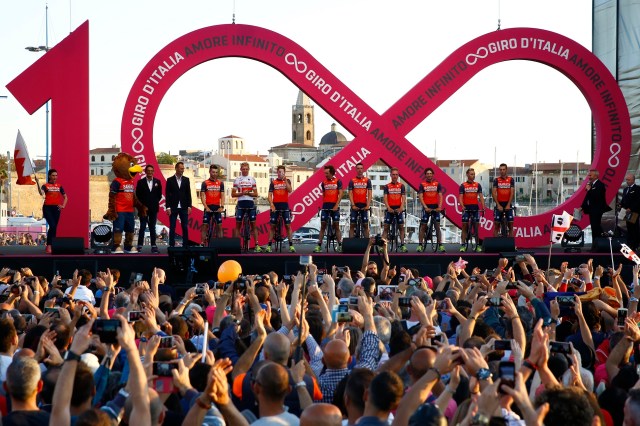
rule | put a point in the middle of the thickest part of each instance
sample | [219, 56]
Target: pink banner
[382, 136]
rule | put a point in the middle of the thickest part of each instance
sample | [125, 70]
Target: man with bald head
[631, 203]
[277, 349]
[321, 415]
[419, 363]
[271, 387]
[336, 359]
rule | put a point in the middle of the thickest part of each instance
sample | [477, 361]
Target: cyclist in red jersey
[503, 193]
[212, 198]
[471, 200]
[331, 195]
[55, 200]
[431, 201]
[395, 200]
[360, 194]
[279, 191]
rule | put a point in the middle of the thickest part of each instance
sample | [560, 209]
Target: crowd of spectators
[379, 346]
[21, 239]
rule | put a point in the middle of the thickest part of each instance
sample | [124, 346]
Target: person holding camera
[369, 268]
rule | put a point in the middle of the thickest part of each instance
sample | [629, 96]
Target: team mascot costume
[122, 201]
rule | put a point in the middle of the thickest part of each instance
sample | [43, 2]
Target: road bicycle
[245, 228]
[503, 224]
[431, 233]
[473, 240]
[211, 235]
[330, 232]
[358, 228]
[279, 231]
[394, 236]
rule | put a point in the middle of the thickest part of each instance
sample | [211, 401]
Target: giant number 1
[62, 76]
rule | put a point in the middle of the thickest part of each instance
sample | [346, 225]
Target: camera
[622, 316]
[163, 369]
[29, 279]
[502, 345]
[353, 301]
[288, 279]
[135, 315]
[565, 300]
[306, 260]
[560, 347]
[404, 302]
[344, 317]
[342, 269]
[106, 329]
[507, 370]
[56, 312]
[473, 278]
[199, 289]
[442, 304]
[519, 258]
[166, 342]
[494, 301]
[379, 241]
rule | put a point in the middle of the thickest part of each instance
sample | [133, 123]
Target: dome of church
[333, 137]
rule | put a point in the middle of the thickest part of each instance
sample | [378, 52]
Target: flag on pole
[629, 254]
[559, 225]
[24, 167]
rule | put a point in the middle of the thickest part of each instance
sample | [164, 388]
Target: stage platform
[205, 261]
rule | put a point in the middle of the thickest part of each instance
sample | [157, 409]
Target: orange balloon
[229, 270]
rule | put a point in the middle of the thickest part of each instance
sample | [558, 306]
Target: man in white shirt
[79, 289]
[271, 386]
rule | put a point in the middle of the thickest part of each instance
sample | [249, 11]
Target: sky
[380, 49]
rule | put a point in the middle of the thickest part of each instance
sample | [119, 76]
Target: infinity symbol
[383, 136]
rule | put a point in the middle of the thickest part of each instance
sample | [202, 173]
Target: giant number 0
[376, 136]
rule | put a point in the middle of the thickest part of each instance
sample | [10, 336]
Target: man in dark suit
[631, 203]
[178, 195]
[595, 204]
[149, 192]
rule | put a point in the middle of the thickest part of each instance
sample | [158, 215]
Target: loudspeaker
[499, 244]
[67, 245]
[601, 245]
[226, 245]
[355, 245]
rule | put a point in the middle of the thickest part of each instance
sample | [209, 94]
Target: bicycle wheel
[277, 235]
[246, 232]
[393, 238]
[330, 232]
[504, 228]
[431, 235]
[472, 235]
